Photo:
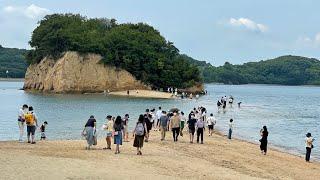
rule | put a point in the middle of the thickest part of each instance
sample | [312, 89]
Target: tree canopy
[12, 59]
[137, 48]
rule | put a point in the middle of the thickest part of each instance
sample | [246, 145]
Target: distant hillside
[13, 60]
[285, 70]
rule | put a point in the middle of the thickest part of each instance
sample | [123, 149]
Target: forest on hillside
[13, 61]
[285, 70]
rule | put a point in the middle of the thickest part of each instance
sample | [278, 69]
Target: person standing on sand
[159, 114]
[108, 128]
[163, 123]
[139, 132]
[309, 140]
[192, 127]
[117, 132]
[32, 124]
[125, 123]
[43, 130]
[200, 129]
[89, 131]
[21, 121]
[211, 121]
[147, 120]
[175, 126]
[182, 122]
[264, 140]
[230, 128]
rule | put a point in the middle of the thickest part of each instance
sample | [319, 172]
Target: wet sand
[217, 158]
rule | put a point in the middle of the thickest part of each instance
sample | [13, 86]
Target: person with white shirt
[158, 114]
[230, 128]
[309, 140]
[21, 121]
[211, 121]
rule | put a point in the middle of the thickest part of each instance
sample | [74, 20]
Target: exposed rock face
[78, 73]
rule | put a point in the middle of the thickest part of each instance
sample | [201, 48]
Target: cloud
[309, 42]
[32, 11]
[248, 24]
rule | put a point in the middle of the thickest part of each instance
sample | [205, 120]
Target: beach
[143, 94]
[217, 158]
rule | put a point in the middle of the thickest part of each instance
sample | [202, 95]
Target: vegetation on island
[13, 61]
[284, 70]
[138, 48]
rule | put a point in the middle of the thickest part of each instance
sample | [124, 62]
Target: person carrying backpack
[139, 132]
[32, 123]
[200, 129]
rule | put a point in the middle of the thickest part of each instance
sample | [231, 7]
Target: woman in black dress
[264, 140]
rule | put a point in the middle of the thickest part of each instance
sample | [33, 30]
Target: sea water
[289, 112]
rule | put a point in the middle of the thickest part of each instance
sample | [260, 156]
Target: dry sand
[218, 158]
[143, 94]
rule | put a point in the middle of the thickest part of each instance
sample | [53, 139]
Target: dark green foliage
[13, 60]
[138, 48]
[285, 70]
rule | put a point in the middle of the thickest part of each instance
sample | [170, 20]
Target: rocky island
[73, 54]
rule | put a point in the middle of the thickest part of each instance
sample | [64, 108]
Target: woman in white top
[309, 140]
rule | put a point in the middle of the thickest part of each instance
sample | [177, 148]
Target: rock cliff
[78, 74]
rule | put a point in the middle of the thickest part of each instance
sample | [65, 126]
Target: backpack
[139, 129]
[29, 118]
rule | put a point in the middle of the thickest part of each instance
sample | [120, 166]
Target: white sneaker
[20, 141]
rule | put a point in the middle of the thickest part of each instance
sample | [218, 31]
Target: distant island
[13, 61]
[137, 50]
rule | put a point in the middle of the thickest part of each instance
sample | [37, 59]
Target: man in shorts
[211, 121]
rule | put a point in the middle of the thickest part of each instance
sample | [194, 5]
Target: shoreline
[143, 94]
[217, 158]
[11, 79]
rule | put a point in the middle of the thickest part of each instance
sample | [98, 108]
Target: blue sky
[216, 31]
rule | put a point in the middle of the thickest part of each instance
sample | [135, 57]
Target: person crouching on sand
[192, 127]
[108, 128]
[139, 132]
[264, 140]
[309, 140]
[117, 132]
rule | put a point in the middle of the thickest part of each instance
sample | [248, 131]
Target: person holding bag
[309, 140]
[117, 133]
[89, 132]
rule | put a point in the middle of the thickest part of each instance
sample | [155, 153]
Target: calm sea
[289, 112]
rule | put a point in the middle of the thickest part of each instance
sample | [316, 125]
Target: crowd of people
[173, 120]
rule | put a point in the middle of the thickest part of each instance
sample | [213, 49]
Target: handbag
[116, 133]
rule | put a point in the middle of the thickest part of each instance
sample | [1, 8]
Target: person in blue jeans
[117, 132]
[230, 128]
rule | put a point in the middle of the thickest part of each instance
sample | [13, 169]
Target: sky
[236, 31]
